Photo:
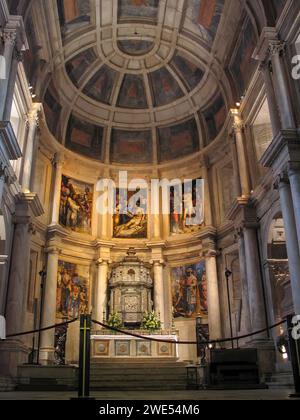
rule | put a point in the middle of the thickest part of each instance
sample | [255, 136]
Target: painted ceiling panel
[165, 88]
[101, 85]
[132, 93]
[145, 9]
[190, 74]
[78, 65]
[131, 146]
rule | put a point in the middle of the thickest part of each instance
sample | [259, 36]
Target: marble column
[17, 58]
[101, 298]
[283, 185]
[58, 166]
[3, 178]
[254, 281]
[19, 276]
[243, 273]
[237, 182]
[241, 154]
[9, 45]
[49, 307]
[272, 103]
[30, 147]
[277, 51]
[159, 300]
[214, 312]
[294, 177]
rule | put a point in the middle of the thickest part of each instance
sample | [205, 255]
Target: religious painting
[143, 9]
[101, 85]
[72, 290]
[135, 47]
[203, 16]
[187, 207]
[73, 14]
[130, 220]
[189, 291]
[215, 117]
[131, 147]
[132, 93]
[243, 65]
[165, 88]
[178, 141]
[78, 65]
[84, 138]
[76, 205]
[189, 72]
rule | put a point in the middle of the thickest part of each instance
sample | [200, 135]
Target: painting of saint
[76, 205]
[203, 16]
[138, 8]
[243, 65]
[189, 291]
[131, 214]
[187, 207]
[73, 14]
[72, 290]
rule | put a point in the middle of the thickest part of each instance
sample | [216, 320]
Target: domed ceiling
[135, 81]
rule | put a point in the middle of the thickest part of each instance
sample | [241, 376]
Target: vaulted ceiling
[141, 81]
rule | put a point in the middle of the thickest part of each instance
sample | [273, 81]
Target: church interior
[200, 95]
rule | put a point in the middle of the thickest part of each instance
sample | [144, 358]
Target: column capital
[58, 159]
[103, 262]
[261, 52]
[4, 174]
[276, 47]
[157, 262]
[9, 37]
[281, 179]
[243, 215]
[238, 124]
[53, 250]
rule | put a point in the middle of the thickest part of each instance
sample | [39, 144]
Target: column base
[47, 356]
[12, 354]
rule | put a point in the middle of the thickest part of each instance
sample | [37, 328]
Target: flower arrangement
[151, 322]
[115, 320]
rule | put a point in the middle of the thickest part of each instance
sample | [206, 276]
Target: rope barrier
[158, 340]
[42, 329]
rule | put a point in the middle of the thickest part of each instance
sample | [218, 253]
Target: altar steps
[138, 376]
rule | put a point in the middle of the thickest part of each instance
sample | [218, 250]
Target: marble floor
[153, 395]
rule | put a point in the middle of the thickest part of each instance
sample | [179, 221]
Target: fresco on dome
[131, 146]
[72, 296]
[189, 291]
[178, 141]
[73, 14]
[131, 216]
[203, 17]
[132, 93]
[243, 65]
[135, 47]
[84, 138]
[76, 205]
[215, 117]
[78, 65]
[101, 85]
[52, 110]
[165, 89]
[186, 207]
[138, 8]
[189, 73]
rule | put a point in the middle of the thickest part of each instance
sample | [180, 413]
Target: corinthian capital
[277, 48]
[9, 38]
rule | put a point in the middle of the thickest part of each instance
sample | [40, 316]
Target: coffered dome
[136, 81]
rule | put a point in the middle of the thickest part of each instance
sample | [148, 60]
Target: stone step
[6, 384]
[280, 381]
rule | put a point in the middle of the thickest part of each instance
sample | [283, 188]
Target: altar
[122, 347]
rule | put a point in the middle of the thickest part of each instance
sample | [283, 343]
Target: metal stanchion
[294, 355]
[84, 358]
